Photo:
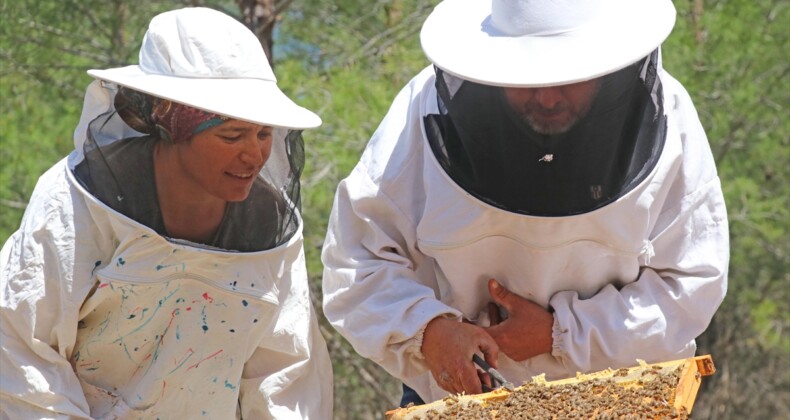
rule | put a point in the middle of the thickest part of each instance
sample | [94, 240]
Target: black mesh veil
[496, 155]
[118, 169]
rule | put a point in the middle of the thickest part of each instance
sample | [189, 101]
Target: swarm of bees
[659, 391]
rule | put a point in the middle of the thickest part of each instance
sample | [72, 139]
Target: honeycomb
[658, 391]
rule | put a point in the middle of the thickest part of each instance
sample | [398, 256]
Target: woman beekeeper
[159, 269]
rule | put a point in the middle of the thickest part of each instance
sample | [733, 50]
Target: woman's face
[224, 160]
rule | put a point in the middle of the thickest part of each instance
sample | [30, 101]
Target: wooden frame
[690, 370]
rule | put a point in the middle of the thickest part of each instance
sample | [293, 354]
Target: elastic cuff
[558, 336]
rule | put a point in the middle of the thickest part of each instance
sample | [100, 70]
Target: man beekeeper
[543, 196]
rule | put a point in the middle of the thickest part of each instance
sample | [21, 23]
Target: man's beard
[551, 126]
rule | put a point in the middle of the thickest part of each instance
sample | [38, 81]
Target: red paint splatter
[186, 356]
[208, 298]
[204, 359]
[140, 364]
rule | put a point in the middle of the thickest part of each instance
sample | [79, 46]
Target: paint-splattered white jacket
[639, 278]
[103, 318]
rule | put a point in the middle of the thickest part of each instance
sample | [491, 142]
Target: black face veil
[118, 169]
[487, 148]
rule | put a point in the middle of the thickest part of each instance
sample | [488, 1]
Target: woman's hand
[527, 331]
[448, 347]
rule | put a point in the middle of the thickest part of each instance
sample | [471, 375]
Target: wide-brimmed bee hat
[208, 60]
[523, 43]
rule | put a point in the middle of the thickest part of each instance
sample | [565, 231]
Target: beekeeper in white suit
[543, 196]
[159, 270]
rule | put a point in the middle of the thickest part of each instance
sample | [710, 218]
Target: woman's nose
[253, 151]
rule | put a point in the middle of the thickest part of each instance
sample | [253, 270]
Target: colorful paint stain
[160, 267]
[95, 266]
[203, 317]
[183, 360]
[211, 356]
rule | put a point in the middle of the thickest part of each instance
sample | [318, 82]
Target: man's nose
[548, 97]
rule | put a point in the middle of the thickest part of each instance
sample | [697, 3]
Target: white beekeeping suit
[630, 267]
[105, 316]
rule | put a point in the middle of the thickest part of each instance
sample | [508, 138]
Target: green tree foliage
[732, 57]
[347, 59]
[45, 49]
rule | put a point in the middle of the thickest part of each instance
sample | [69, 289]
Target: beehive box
[653, 391]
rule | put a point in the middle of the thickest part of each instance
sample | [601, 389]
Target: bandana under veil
[489, 150]
[169, 120]
[118, 169]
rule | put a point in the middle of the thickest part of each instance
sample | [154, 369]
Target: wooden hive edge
[693, 369]
[690, 380]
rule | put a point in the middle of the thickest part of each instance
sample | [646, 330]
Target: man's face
[555, 109]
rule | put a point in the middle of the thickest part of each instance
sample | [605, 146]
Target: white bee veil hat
[208, 60]
[533, 43]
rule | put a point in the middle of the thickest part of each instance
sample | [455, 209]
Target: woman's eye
[230, 138]
[265, 135]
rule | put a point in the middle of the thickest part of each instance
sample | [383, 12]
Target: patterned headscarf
[166, 119]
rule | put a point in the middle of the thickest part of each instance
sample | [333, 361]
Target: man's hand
[448, 347]
[527, 330]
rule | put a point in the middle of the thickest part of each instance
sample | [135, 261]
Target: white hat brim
[458, 37]
[257, 101]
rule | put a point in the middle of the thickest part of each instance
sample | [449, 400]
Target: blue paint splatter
[120, 262]
[244, 302]
[203, 316]
[229, 385]
[178, 332]
[95, 266]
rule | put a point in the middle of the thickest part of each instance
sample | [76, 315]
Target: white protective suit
[638, 278]
[104, 318]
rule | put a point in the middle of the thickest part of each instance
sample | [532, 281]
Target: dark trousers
[410, 396]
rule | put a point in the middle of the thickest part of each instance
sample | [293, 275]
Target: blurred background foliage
[347, 59]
